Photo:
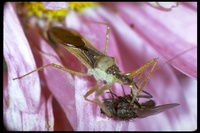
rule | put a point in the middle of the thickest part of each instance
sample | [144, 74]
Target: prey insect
[101, 66]
[122, 109]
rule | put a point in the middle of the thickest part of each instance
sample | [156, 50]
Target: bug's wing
[155, 110]
[76, 44]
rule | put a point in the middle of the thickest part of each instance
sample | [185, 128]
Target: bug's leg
[147, 95]
[139, 77]
[107, 34]
[101, 105]
[107, 38]
[55, 66]
[91, 91]
[140, 70]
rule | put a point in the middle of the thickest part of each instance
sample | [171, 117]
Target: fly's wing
[145, 112]
[76, 44]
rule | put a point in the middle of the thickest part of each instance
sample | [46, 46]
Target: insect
[122, 108]
[101, 66]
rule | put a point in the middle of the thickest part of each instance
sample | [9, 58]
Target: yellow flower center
[80, 6]
[37, 9]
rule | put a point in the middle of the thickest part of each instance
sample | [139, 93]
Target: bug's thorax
[106, 69]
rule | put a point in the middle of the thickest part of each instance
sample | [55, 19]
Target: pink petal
[10, 118]
[25, 93]
[49, 116]
[60, 83]
[16, 120]
[61, 122]
[192, 5]
[88, 114]
[38, 121]
[55, 5]
[24, 106]
[162, 81]
[164, 6]
[154, 26]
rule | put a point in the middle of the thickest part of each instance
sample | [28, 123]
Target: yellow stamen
[31, 11]
[37, 9]
[80, 6]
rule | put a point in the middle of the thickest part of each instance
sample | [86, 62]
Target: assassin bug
[101, 66]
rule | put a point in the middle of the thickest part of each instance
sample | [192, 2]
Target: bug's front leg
[55, 66]
[99, 92]
[139, 71]
[101, 105]
[91, 91]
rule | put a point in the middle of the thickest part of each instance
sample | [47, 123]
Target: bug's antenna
[167, 62]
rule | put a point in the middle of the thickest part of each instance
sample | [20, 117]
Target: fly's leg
[55, 66]
[148, 95]
[140, 70]
[101, 105]
[91, 91]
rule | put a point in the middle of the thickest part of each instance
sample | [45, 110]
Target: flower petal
[25, 93]
[16, 120]
[181, 35]
[88, 114]
[163, 82]
[192, 5]
[167, 84]
[164, 6]
[60, 83]
[55, 5]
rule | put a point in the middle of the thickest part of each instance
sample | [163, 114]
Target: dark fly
[121, 107]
